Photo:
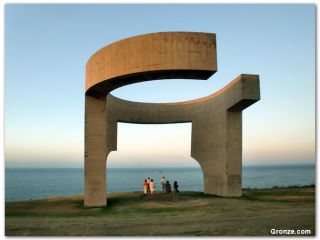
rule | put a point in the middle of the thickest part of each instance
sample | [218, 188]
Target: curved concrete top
[163, 55]
[240, 93]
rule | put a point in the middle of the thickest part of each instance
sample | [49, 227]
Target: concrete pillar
[234, 154]
[95, 151]
[217, 146]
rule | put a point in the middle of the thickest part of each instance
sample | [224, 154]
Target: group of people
[166, 186]
[149, 187]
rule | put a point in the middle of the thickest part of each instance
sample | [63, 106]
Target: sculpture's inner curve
[165, 91]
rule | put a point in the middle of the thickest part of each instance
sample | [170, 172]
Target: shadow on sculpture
[216, 140]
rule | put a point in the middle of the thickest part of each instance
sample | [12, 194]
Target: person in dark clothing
[168, 187]
[175, 186]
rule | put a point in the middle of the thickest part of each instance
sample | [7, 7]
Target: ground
[193, 214]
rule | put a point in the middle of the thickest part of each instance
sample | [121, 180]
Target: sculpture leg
[234, 155]
[208, 148]
[216, 145]
[95, 152]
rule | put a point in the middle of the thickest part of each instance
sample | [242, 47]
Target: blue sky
[47, 46]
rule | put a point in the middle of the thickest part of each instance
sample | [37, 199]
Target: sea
[38, 183]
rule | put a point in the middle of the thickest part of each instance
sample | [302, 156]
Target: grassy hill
[132, 214]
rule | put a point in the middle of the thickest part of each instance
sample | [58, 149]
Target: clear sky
[47, 46]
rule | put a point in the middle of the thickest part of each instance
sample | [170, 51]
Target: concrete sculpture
[216, 119]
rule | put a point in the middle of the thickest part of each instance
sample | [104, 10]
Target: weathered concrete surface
[95, 151]
[216, 119]
[163, 55]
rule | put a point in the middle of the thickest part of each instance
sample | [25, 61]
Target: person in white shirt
[151, 186]
[163, 182]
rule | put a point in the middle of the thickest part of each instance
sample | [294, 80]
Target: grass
[194, 214]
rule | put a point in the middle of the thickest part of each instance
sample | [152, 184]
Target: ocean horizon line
[159, 167]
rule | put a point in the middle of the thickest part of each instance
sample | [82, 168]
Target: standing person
[175, 186]
[145, 187]
[148, 182]
[163, 182]
[151, 185]
[175, 191]
[168, 187]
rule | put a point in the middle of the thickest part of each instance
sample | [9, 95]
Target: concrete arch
[216, 119]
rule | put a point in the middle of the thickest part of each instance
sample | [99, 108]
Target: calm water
[25, 184]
